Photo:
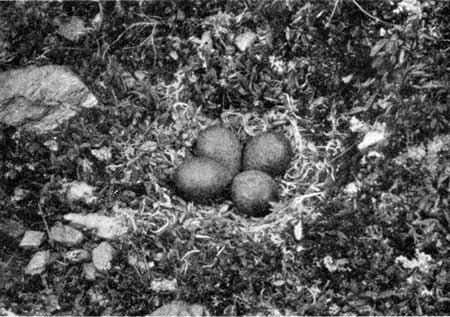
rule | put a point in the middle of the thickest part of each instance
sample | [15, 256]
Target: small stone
[81, 191]
[89, 272]
[180, 308]
[73, 28]
[371, 138]
[376, 136]
[140, 75]
[245, 40]
[77, 256]
[164, 285]
[358, 126]
[352, 189]
[103, 154]
[66, 235]
[206, 41]
[173, 55]
[40, 98]
[32, 239]
[38, 263]
[102, 257]
[19, 194]
[106, 227]
[298, 231]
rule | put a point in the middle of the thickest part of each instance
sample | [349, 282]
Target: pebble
[40, 98]
[102, 256]
[66, 235]
[81, 191]
[377, 135]
[164, 285]
[32, 239]
[77, 256]
[106, 227]
[38, 263]
[89, 272]
[245, 40]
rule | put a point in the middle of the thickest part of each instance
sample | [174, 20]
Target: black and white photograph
[225, 158]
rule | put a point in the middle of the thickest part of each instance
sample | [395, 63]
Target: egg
[201, 179]
[268, 152]
[252, 191]
[220, 144]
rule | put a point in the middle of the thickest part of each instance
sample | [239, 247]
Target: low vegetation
[359, 87]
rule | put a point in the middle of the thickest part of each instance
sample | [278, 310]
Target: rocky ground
[101, 101]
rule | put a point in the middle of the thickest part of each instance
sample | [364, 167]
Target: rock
[221, 145]
[19, 194]
[201, 179]
[102, 257]
[66, 235]
[73, 28]
[298, 231]
[206, 41]
[32, 239]
[38, 263]
[89, 272]
[352, 189]
[222, 19]
[39, 98]
[180, 308]
[164, 285]
[103, 154]
[358, 126]
[81, 191]
[377, 135]
[106, 227]
[244, 40]
[77, 256]
[11, 228]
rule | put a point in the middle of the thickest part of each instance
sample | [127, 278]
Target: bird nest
[302, 186]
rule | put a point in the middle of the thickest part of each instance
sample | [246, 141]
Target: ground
[358, 230]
